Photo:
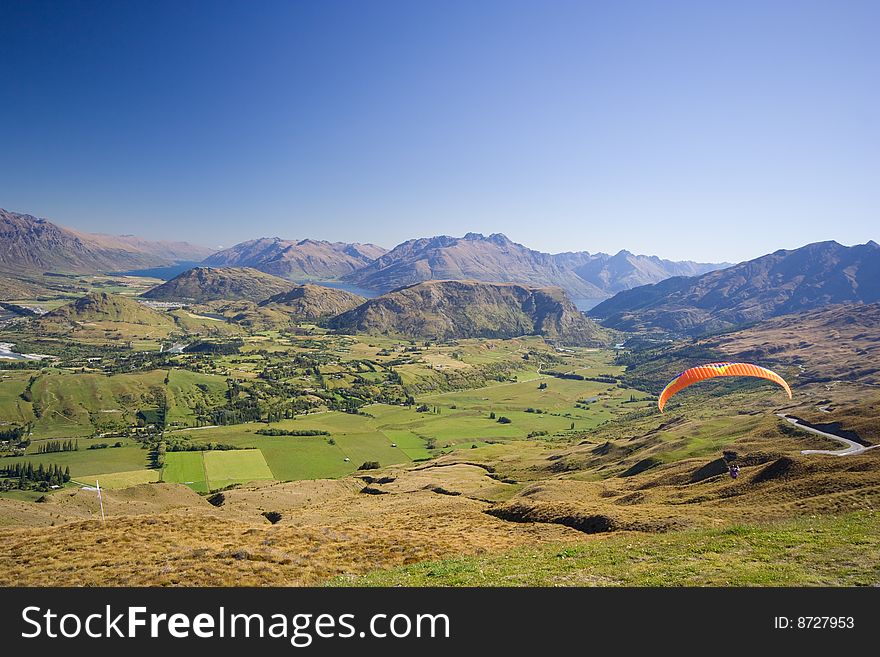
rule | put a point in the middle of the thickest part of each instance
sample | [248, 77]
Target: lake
[586, 304]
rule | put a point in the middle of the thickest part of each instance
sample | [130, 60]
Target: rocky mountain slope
[782, 282]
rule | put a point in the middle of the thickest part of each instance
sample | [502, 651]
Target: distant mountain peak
[500, 239]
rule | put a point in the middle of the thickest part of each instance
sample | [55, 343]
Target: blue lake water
[586, 304]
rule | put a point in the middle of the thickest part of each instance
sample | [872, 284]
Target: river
[7, 353]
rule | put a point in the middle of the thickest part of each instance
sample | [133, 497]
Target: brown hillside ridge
[297, 260]
[203, 284]
[12, 286]
[444, 310]
[835, 343]
[31, 244]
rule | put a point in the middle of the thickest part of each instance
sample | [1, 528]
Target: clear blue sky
[698, 130]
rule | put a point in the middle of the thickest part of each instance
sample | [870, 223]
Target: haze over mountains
[782, 282]
[31, 244]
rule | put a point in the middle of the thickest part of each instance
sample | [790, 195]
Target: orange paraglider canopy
[712, 370]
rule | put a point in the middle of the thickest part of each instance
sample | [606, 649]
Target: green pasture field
[409, 442]
[204, 326]
[13, 409]
[145, 345]
[21, 495]
[78, 404]
[235, 466]
[293, 458]
[362, 447]
[288, 457]
[84, 462]
[185, 468]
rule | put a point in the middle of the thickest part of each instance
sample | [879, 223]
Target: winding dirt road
[852, 447]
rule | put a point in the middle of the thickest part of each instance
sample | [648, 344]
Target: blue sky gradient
[691, 130]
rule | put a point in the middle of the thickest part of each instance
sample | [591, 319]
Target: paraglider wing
[712, 370]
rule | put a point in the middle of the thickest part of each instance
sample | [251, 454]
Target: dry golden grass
[163, 534]
[328, 529]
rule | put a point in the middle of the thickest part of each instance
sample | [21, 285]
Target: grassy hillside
[447, 310]
[824, 551]
[103, 307]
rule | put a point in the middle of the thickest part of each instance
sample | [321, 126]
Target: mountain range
[498, 259]
[646, 292]
[28, 243]
[781, 282]
[297, 261]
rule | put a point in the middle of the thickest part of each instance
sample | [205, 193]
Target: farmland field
[235, 467]
[126, 479]
[85, 461]
[185, 468]
[528, 406]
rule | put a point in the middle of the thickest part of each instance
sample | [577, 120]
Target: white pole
[101, 501]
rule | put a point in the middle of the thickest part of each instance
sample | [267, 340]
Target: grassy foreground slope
[816, 551]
